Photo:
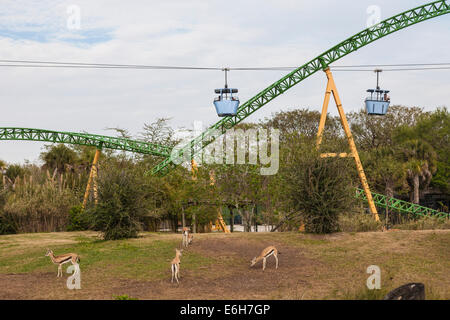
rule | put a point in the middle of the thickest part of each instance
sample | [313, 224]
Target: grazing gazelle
[185, 235]
[190, 238]
[267, 252]
[176, 265]
[62, 259]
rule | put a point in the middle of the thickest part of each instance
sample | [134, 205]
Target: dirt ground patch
[309, 268]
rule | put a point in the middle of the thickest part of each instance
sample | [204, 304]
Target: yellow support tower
[92, 180]
[332, 89]
[220, 223]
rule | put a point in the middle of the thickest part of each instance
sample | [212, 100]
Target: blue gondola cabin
[378, 102]
[226, 104]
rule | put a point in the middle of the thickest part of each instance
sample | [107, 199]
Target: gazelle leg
[264, 264]
[59, 270]
[276, 258]
[173, 272]
[176, 273]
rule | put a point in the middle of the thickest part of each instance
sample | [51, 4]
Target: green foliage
[123, 200]
[79, 220]
[372, 132]
[15, 170]
[321, 189]
[58, 157]
[405, 151]
[432, 129]
[420, 164]
[303, 123]
[384, 171]
[7, 225]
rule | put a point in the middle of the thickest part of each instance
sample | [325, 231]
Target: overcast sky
[196, 33]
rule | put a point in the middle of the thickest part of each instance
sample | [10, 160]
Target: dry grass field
[217, 266]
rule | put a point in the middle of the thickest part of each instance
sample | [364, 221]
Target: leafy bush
[7, 226]
[320, 188]
[122, 201]
[79, 220]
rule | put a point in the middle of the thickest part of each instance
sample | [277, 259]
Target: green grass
[129, 259]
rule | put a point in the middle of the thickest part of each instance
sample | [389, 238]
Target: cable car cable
[43, 64]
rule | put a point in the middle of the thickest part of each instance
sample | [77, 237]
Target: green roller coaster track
[84, 139]
[401, 206]
[359, 40]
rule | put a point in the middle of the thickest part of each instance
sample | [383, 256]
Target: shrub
[7, 225]
[123, 200]
[320, 188]
[79, 220]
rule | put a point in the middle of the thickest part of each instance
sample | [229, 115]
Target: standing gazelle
[176, 265]
[190, 238]
[187, 238]
[62, 259]
[267, 252]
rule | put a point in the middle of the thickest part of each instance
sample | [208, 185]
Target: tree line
[405, 154]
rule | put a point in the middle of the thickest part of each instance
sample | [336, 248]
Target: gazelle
[186, 235]
[190, 238]
[267, 252]
[62, 259]
[176, 265]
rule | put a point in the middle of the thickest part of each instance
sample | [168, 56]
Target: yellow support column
[92, 180]
[332, 89]
[220, 223]
[323, 116]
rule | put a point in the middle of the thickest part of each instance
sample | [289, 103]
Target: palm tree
[420, 159]
[58, 156]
